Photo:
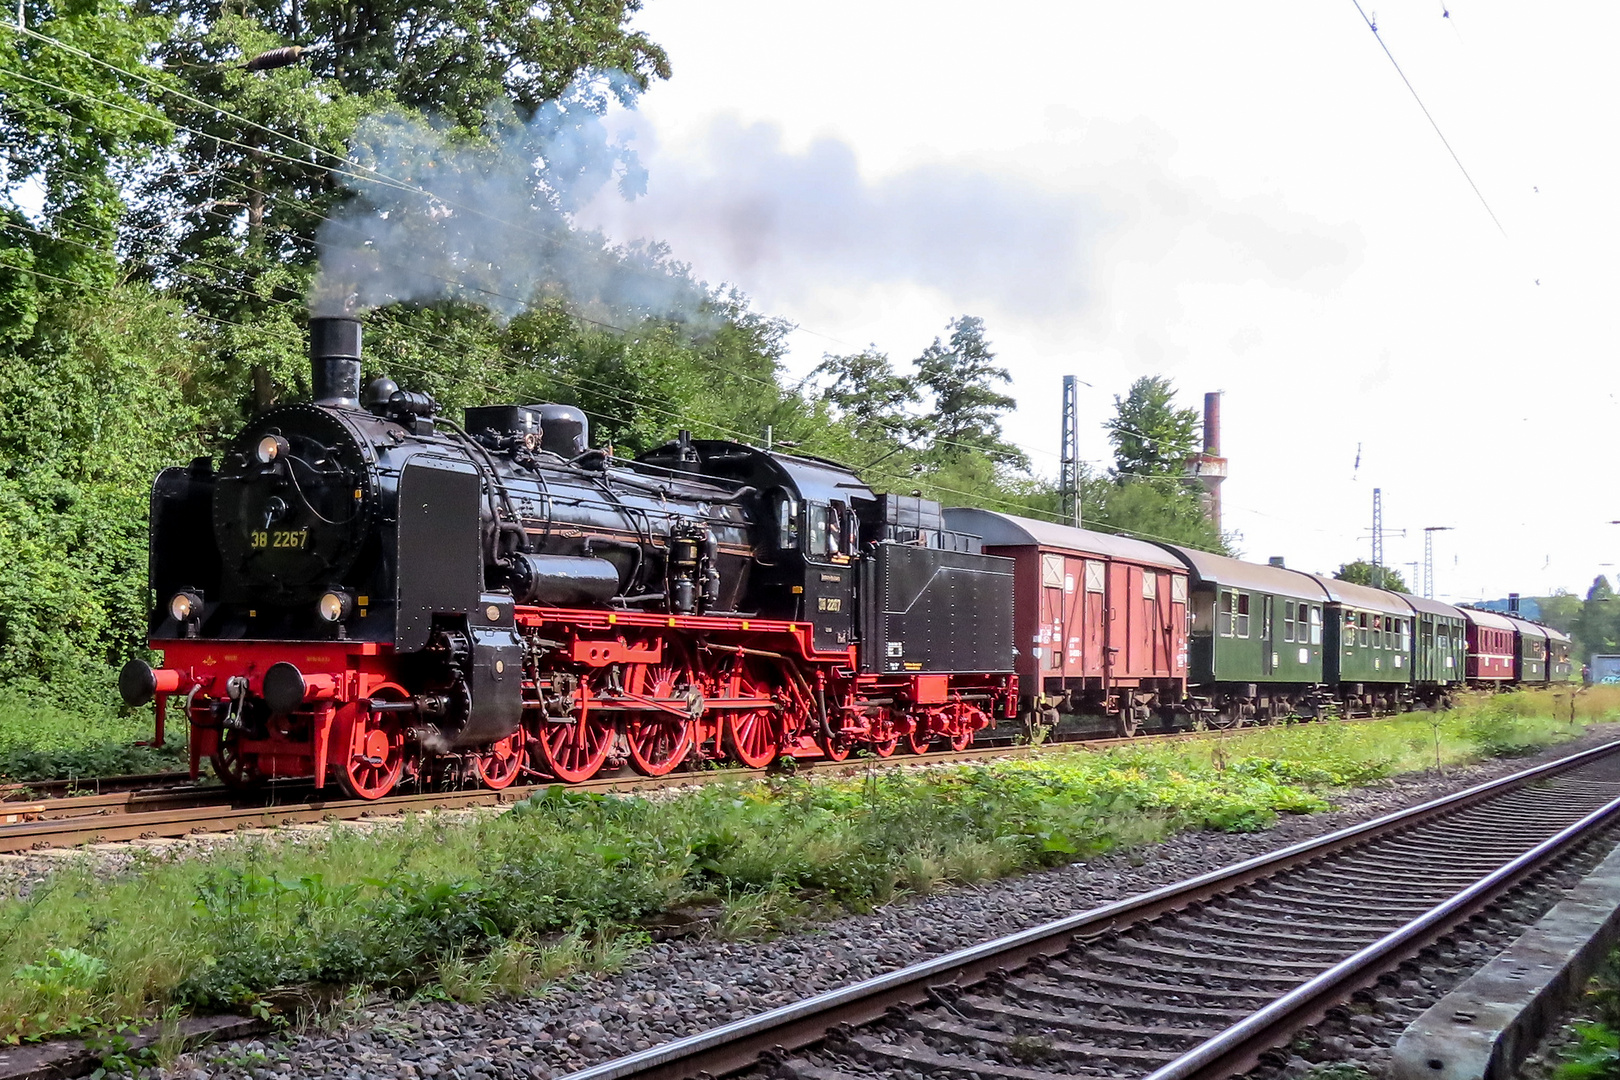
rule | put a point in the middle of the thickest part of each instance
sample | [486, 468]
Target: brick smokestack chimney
[1209, 467]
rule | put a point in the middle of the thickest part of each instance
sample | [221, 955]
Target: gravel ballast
[681, 986]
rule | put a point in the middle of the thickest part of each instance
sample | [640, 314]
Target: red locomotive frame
[656, 689]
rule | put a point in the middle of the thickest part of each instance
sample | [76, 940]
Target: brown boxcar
[1102, 619]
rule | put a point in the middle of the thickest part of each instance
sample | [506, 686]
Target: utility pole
[1070, 480]
[1428, 557]
[1378, 538]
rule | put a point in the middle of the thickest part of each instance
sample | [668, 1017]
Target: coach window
[1223, 612]
[1242, 614]
[1389, 632]
[1288, 620]
[1316, 625]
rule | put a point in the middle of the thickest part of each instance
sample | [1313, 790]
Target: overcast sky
[1242, 197]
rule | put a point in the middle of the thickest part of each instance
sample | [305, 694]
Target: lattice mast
[1070, 481]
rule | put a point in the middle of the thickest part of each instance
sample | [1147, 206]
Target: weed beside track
[500, 904]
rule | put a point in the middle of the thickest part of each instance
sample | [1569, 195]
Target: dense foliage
[169, 190]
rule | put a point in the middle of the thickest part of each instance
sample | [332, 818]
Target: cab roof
[1009, 530]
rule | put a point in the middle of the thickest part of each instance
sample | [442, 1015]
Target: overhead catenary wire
[1429, 116]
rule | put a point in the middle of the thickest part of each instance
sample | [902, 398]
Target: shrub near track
[42, 740]
[499, 904]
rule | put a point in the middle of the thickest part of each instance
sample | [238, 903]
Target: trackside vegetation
[568, 880]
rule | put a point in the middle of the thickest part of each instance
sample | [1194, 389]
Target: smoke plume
[437, 216]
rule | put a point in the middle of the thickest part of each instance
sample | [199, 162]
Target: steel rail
[1238, 1048]
[743, 1043]
[183, 810]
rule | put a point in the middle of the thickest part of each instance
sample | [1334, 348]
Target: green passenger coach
[1439, 649]
[1368, 658]
[1256, 646]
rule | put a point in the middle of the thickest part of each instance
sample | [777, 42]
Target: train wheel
[370, 753]
[500, 764]
[233, 770]
[919, 738]
[967, 720]
[751, 737]
[576, 750]
[659, 741]
[834, 747]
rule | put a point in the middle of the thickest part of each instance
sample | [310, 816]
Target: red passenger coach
[1490, 647]
[1103, 618]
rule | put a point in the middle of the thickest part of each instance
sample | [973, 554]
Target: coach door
[1054, 611]
[1268, 644]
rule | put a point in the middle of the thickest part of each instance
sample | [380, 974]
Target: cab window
[826, 525]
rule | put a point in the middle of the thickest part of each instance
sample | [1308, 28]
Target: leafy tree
[864, 390]
[961, 375]
[1561, 610]
[1151, 436]
[1158, 512]
[1362, 572]
[1597, 630]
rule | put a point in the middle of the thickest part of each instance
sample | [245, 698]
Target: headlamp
[271, 448]
[335, 606]
[185, 606]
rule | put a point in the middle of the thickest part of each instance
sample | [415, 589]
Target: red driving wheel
[369, 752]
[659, 741]
[500, 765]
[574, 750]
[751, 734]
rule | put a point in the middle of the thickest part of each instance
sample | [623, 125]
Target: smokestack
[1209, 467]
[334, 360]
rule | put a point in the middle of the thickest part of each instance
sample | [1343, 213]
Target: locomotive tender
[363, 592]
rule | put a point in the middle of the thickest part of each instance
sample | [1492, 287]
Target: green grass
[41, 740]
[503, 904]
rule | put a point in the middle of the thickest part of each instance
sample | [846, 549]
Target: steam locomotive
[364, 592]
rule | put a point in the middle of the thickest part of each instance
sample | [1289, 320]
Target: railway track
[1196, 980]
[184, 808]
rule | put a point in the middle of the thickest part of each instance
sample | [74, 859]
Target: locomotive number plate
[280, 538]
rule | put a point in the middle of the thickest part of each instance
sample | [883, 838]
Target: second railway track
[1197, 979]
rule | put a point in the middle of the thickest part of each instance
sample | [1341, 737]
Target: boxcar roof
[1272, 579]
[1009, 530]
[1486, 618]
[1432, 607]
[1363, 597]
[1528, 628]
